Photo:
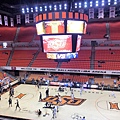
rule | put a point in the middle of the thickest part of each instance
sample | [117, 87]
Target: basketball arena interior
[70, 48]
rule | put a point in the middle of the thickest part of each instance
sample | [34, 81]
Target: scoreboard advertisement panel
[78, 42]
[57, 43]
[62, 55]
[85, 27]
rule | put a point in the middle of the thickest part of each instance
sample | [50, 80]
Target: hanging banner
[11, 22]
[27, 18]
[91, 13]
[18, 17]
[112, 12]
[0, 19]
[34, 15]
[6, 20]
[100, 12]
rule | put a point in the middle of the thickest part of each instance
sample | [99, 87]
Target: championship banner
[112, 12]
[6, 20]
[27, 18]
[0, 19]
[100, 12]
[34, 15]
[18, 17]
[91, 13]
[11, 22]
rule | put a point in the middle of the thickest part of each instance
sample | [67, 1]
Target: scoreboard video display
[57, 43]
[61, 27]
[74, 26]
[52, 27]
[40, 28]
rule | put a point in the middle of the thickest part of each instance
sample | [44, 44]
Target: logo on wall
[57, 44]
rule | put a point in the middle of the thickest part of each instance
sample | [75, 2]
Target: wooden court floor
[98, 105]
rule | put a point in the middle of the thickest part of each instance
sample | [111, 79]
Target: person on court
[72, 96]
[10, 102]
[17, 105]
[40, 97]
[54, 112]
[81, 89]
[112, 95]
[0, 97]
[59, 99]
[39, 112]
[47, 92]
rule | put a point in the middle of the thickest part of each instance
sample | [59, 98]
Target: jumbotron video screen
[61, 27]
[50, 27]
[61, 39]
[57, 43]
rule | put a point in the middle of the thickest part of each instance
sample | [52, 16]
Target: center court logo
[20, 95]
[65, 100]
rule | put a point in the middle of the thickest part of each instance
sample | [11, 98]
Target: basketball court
[93, 104]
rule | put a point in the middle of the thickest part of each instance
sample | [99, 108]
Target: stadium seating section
[26, 34]
[105, 81]
[4, 55]
[95, 31]
[110, 58]
[42, 61]
[4, 75]
[38, 77]
[7, 33]
[77, 78]
[22, 57]
[83, 61]
[114, 31]
[60, 77]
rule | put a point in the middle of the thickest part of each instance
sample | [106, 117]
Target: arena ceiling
[27, 2]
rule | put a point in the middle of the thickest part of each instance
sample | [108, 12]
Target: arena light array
[85, 4]
[50, 7]
[97, 3]
[23, 10]
[80, 5]
[91, 4]
[115, 2]
[36, 9]
[60, 7]
[40, 9]
[55, 7]
[75, 5]
[64, 6]
[31, 9]
[27, 9]
[45, 8]
[103, 2]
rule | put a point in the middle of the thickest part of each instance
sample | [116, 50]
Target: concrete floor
[96, 106]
